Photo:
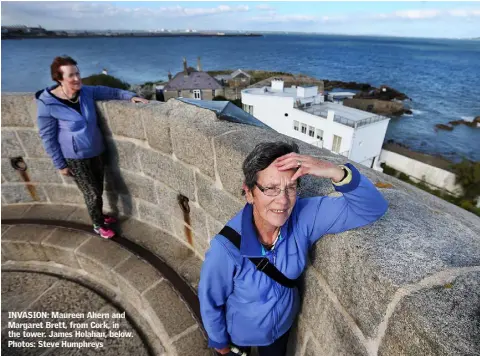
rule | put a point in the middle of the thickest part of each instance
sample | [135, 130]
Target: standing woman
[68, 126]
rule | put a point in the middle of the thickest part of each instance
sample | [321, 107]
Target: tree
[106, 80]
[468, 177]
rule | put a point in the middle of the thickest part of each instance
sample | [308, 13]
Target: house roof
[194, 80]
[225, 110]
[239, 71]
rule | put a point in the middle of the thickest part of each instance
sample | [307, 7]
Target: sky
[410, 19]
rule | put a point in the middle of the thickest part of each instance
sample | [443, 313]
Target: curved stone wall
[407, 284]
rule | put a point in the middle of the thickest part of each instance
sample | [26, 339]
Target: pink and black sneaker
[104, 232]
[108, 220]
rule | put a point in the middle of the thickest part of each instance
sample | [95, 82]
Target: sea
[441, 76]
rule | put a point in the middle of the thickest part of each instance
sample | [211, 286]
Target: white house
[302, 113]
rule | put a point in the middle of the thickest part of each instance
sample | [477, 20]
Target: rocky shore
[451, 124]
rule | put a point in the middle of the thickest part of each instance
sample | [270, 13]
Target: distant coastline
[132, 34]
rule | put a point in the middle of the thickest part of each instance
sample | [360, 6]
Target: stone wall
[407, 284]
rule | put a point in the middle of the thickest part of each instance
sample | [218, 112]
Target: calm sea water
[441, 76]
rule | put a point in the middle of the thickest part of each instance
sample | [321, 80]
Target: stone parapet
[361, 287]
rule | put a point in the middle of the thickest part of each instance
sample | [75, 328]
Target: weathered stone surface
[163, 169]
[22, 242]
[200, 126]
[60, 246]
[122, 154]
[406, 245]
[442, 320]
[298, 338]
[193, 344]
[214, 201]
[64, 194]
[20, 289]
[166, 246]
[49, 212]
[199, 242]
[69, 297]
[80, 215]
[213, 227]
[18, 109]
[99, 256]
[333, 335]
[157, 127]
[138, 273]
[155, 215]
[14, 211]
[42, 171]
[168, 200]
[132, 184]
[32, 143]
[190, 270]
[10, 145]
[9, 173]
[119, 204]
[22, 193]
[112, 346]
[125, 119]
[163, 299]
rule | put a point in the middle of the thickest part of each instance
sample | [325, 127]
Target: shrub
[468, 177]
[467, 205]
[106, 80]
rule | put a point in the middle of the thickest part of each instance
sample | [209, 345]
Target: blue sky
[412, 19]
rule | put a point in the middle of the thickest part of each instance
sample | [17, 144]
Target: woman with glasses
[247, 290]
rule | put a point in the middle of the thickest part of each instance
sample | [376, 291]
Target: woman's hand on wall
[309, 165]
[223, 351]
[137, 99]
[66, 172]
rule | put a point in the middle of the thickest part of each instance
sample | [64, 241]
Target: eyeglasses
[275, 191]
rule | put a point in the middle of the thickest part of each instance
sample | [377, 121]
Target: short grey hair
[262, 156]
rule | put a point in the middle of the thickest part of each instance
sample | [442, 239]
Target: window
[337, 142]
[197, 94]
[179, 93]
[311, 131]
[304, 128]
[295, 125]
[248, 108]
[319, 134]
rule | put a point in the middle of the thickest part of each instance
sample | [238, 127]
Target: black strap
[261, 263]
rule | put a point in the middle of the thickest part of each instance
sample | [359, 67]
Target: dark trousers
[88, 174]
[278, 348]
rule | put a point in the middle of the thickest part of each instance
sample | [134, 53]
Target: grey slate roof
[194, 80]
[225, 110]
[239, 71]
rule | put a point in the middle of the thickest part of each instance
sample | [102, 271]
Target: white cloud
[17, 12]
[264, 7]
[426, 14]
[189, 11]
[275, 18]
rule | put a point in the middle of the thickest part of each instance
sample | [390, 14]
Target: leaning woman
[248, 294]
[68, 126]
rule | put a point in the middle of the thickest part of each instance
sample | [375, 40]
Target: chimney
[185, 69]
[199, 65]
[169, 76]
[277, 84]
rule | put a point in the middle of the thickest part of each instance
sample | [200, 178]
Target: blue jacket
[67, 134]
[244, 306]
